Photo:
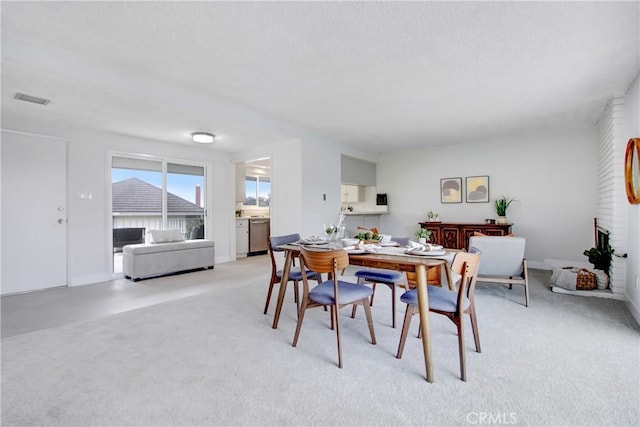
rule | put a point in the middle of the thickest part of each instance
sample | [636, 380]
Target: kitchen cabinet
[242, 237]
[351, 193]
[456, 235]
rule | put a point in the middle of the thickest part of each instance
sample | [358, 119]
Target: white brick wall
[612, 210]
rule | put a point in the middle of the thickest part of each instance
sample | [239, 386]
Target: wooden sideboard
[455, 235]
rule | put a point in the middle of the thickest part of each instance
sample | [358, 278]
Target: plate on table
[314, 240]
[393, 250]
[355, 251]
[435, 252]
[392, 243]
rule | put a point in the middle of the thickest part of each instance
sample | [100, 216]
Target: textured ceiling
[381, 75]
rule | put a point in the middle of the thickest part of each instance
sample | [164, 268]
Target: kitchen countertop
[365, 213]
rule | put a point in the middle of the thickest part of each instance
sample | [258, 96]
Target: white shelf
[366, 213]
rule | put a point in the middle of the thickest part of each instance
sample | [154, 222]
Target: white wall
[552, 174]
[632, 118]
[89, 232]
[320, 186]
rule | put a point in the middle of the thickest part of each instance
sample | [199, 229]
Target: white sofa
[141, 261]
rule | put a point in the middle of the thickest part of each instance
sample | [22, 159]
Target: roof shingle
[136, 196]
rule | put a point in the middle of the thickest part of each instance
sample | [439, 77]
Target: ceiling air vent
[29, 98]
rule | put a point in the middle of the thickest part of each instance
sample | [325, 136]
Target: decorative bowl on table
[349, 241]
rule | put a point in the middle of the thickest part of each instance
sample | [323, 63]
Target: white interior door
[34, 216]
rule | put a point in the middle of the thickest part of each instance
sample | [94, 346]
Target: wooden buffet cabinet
[455, 235]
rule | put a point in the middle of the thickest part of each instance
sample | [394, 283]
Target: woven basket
[585, 280]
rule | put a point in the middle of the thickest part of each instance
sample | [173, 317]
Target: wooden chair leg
[266, 304]
[367, 312]
[463, 368]
[334, 308]
[393, 305]
[332, 314]
[526, 283]
[296, 294]
[361, 281]
[373, 294]
[474, 328]
[303, 308]
[408, 314]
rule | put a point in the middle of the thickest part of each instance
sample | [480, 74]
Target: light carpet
[213, 359]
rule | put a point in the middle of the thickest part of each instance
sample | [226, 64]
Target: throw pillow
[164, 236]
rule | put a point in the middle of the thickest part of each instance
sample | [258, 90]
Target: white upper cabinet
[351, 193]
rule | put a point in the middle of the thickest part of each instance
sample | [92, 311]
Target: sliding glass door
[185, 199]
[154, 194]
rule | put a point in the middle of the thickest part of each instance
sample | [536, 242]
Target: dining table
[392, 260]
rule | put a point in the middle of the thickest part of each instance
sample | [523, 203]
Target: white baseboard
[93, 278]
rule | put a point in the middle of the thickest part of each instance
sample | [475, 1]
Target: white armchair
[502, 261]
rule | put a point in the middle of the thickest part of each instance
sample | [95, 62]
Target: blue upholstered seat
[441, 299]
[391, 278]
[295, 274]
[349, 292]
[380, 275]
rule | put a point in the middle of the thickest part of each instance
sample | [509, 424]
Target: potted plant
[423, 235]
[501, 205]
[601, 260]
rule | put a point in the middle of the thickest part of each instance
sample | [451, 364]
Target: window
[257, 191]
[155, 194]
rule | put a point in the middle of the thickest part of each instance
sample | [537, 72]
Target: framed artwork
[451, 190]
[477, 189]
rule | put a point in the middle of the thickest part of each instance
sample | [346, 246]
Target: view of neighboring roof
[136, 196]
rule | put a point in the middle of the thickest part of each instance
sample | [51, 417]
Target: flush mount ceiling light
[203, 137]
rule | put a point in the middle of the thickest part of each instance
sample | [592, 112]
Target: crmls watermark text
[492, 418]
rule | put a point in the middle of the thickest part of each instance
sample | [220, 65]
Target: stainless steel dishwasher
[259, 229]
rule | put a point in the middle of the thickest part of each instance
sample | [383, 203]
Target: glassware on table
[331, 231]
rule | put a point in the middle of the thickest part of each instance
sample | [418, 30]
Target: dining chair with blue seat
[334, 293]
[451, 303]
[391, 278]
[295, 274]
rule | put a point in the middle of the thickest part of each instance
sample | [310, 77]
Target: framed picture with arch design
[477, 189]
[451, 190]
